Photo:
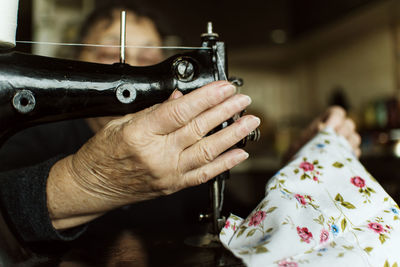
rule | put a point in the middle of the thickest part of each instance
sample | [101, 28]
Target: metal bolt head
[184, 70]
[24, 101]
[254, 135]
[210, 33]
[125, 93]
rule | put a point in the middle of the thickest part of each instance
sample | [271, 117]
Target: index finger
[172, 115]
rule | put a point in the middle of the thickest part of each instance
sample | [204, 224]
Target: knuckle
[164, 191]
[128, 132]
[350, 123]
[127, 118]
[203, 176]
[164, 188]
[112, 132]
[206, 154]
[178, 113]
[198, 128]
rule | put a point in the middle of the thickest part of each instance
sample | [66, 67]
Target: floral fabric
[322, 209]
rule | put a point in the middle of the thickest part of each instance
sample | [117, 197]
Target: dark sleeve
[24, 203]
[40, 143]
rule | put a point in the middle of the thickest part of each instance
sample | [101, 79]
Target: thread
[219, 62]
[114, 46]
[8, 23]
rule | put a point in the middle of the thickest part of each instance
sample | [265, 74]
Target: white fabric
[8, 22]
[322, 209]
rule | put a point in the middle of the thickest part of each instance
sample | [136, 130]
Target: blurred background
[296, 59]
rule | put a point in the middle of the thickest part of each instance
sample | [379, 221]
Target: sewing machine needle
[122, 37]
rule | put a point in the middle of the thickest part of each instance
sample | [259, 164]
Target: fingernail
[176, 94]
[248, 124]
[228, 89]
[253, 122]
[244, 100]
[242, 156]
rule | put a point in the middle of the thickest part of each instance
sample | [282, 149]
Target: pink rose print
[358, 181]
[285, 263]
[304, 234]
[300, 199]
[324, 236]
[307, 166]
[227, 224]
[257, 218]
[376, 227]
[309, 170]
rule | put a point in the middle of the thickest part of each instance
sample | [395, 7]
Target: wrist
[68, 204]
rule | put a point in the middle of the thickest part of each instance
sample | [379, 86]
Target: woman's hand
[336, 118]
[151, 153]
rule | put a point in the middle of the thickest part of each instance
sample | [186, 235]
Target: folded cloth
[322, 209]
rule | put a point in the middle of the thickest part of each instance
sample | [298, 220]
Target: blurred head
[103, 27]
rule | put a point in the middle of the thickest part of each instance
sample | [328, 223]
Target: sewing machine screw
[24, 101]
[238, 82]
[184, 70]
[210, 33]
[254, 135]
[125, 93]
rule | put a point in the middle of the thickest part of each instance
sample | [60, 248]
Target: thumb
[175, 94]
[334, 117]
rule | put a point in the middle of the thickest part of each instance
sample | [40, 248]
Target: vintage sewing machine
[36, 90]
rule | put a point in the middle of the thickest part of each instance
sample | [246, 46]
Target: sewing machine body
[36, 89]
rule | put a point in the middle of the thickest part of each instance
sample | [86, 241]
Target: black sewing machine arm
[35, 89]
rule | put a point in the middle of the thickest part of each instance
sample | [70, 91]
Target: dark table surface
[147, 247]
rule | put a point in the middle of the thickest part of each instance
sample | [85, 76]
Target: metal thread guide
[122, 39]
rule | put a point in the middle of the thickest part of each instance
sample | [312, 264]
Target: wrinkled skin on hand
[336, 118]
[163, 149]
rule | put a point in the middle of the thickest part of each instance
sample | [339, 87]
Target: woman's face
[140, 31]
